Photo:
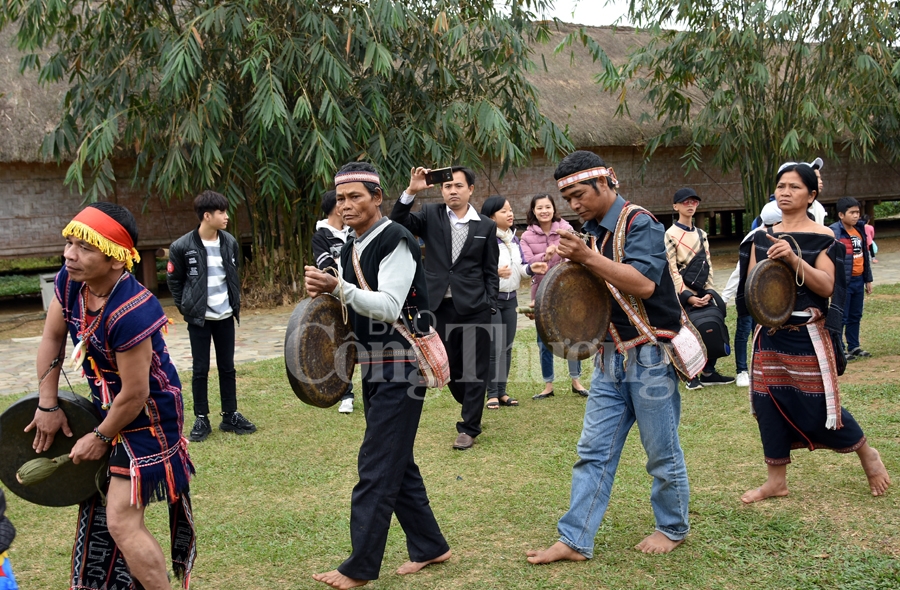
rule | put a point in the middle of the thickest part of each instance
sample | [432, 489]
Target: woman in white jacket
[512, 270]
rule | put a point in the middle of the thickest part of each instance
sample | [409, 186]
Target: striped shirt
[217, 305]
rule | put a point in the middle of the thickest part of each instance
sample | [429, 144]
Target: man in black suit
[461, 257]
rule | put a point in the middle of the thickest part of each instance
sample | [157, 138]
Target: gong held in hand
[770, 291]
[66, 483]
[572, 311]
[319, 351]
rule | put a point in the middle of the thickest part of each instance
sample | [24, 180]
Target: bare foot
[877, 474]
[336, 579]
[658, 543]
[411, 567]
[766, 490]
[559, 551]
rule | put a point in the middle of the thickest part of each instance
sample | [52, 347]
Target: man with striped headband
[382, 282]
[633, 380]
[116, 327]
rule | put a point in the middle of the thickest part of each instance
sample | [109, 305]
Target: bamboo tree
[265, 99]
[762, 82]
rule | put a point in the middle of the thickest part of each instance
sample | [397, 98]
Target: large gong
[770, 292]
[319, 351]
[70, 484]
[572, 310]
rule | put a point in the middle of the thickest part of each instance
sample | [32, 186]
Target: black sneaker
[715, 378]
[694, 384]
[201, 429]
[236, 423]
[859, 353]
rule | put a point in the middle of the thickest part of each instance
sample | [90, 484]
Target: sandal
[493, 405]
[509, 402]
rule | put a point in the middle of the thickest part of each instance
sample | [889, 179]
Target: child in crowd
[850, 231]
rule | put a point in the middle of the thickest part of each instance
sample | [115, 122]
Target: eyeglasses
[690, 202]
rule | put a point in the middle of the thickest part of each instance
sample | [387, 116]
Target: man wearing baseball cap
[690, 263]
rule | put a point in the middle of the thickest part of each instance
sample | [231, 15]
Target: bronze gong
[572, 311]
[770, 292]
[319, 351]
[70, 484]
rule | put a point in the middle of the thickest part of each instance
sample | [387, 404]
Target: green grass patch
[19, 285]
[31, 264]
[273, 507]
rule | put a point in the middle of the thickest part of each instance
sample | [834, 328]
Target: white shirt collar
[471, 215]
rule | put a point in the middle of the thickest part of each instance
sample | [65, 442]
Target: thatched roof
[28, 111]
[568, 95]
[571, 98]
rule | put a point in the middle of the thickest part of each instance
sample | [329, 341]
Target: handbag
[431, 356]
[696, 272]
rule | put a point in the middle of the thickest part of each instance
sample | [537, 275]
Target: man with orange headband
[633, 380]
[116, 327]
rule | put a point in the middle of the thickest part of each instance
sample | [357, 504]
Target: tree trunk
[282, 245]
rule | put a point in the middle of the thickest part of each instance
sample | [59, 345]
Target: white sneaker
[346, 406]
[742, 379]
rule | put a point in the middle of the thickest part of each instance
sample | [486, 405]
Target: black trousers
[505, 322]
[389, 479]
[467, 339]
[221, 333]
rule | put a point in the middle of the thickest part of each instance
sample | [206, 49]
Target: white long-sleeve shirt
[511, 256]
[395, 276]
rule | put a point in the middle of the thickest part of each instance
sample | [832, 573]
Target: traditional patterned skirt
[794, 392]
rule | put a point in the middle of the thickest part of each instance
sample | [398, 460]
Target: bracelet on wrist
[53, 409]
[107, 439]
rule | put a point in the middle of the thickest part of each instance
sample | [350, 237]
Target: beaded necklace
[83, 334]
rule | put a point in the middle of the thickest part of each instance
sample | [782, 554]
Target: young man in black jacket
[203, 279]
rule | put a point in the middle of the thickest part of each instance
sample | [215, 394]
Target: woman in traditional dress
[793, 386]
[512, 270]
[539, 243]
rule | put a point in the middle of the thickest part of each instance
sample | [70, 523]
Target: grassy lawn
[272, 508]
[19, 285]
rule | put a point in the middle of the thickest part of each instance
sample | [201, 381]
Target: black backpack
[710, 322]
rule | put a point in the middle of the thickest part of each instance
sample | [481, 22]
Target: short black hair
[582, 160]
[806, 173]
[531, 218]
[362, 167]
[329, 200]
[209, 201]
[845, 203]
[470, 176]
[492, 204]
[121, 215]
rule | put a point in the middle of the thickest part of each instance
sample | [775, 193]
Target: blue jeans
[646, 391]
[742, 332]
[853, 311]
[547, 363]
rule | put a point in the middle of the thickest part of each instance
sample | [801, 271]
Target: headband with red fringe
[104, 233]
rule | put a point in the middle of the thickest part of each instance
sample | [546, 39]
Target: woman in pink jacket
[539, 243]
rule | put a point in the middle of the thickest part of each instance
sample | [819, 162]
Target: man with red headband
[116, 326]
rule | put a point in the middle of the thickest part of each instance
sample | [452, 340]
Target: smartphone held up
[439, 176]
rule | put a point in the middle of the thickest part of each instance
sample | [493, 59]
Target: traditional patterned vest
[374, 335]
[662, 308]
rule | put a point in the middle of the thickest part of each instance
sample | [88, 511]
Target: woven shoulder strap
[631, 305]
